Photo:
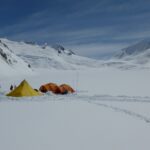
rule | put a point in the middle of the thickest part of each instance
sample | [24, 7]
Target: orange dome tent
[50, 87]
[66, 88]
[63, 90]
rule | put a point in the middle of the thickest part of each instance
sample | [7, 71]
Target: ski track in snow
[96, 100]
[118, 109]
[126, 111]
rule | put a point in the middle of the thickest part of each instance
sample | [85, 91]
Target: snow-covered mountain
[135, 49]
[137, 55]
[23, 57]
[44, 56]
[11, 63]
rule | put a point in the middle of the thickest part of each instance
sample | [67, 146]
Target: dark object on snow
[11, 87]
[29, 65]
[36, 90]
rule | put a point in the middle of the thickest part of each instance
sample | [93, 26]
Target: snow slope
[10, 63]
[49, 57]
[135, 49]
[137, 54]
[134, 56]
[57, 57]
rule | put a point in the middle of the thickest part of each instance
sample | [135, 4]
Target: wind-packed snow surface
[110, 109]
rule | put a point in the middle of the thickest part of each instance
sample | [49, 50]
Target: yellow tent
[24, 89]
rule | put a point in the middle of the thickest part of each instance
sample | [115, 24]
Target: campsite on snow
[61, 100]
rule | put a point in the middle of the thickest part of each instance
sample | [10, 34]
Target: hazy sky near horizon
[92, 28]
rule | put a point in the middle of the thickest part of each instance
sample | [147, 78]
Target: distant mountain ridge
[60, 49]
[26, 57]
[135, 49]
[36, 56]
[136, 55]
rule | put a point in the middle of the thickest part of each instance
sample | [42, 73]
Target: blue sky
[93, 28]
